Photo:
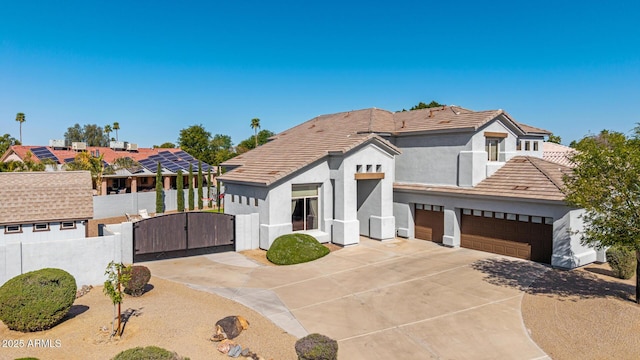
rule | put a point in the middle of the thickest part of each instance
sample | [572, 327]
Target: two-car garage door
[522, 236]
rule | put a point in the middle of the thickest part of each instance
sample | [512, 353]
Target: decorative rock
[225, 345]
[83, 290]
[229, 327]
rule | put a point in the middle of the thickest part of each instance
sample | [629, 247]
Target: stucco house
[41, 206]
[140, 177]
[475, 179]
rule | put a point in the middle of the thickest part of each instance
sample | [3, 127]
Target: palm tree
[20, 118]
[108, 130]
[116, 127]
[255, 125]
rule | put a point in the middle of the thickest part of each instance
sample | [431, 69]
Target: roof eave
[399, 187]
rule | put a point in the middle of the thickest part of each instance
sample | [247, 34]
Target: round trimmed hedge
[148, 353]
[37, 300]
[295, 249]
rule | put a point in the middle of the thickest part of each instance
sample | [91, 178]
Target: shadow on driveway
[538, 279]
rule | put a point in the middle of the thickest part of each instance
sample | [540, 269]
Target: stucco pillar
[167, 182]
[103, 187]
[346, 227]
[134, 184]
[451, 235]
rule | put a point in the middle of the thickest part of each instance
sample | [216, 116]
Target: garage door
[429, 222]
[522, 236]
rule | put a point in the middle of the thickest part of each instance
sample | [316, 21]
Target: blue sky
[158, 67]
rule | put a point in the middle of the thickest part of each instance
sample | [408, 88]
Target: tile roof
[533, 130]
[301, 145]
[29, 197]
[307, 143]
[522, 177]
[109, 154]
[558, 154]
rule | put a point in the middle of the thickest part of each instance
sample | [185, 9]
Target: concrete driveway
[398, 299]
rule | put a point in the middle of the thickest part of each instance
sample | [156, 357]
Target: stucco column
[103, 187]
[167, 182]
[134, 184]
[451, 227]
[346, 227]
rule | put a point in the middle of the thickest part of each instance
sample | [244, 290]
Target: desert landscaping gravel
[170, 315]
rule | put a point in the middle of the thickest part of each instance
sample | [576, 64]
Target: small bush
[37, 300]
[148, 353]
[140, 276]
[317, 347]
[295, 249]
[622, 261]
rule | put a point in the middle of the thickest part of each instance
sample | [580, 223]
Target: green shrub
[317, 347]
[37, 300]
[148, 353]
[28, 358]
[295, 249]
[622, 261]
[140, 276]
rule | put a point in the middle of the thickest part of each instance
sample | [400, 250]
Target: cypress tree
[191, 203]
[180, 186]
[209, 188]
[159, 191]
[200, 195]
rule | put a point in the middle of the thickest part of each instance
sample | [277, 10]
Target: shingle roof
[301, 145]
[521, 177]
[558, 154]
[28, 197]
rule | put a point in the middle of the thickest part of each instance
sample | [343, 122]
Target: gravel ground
[583, 314]
[171, 316]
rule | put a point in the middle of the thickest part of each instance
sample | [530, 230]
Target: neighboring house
[447, 174]
[133, 179]
[558, 154]
[42, 206]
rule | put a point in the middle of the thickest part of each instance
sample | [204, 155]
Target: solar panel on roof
[149, 164]
[68, 160]
[44, 153]
[184, 156]
[172, 167]
[168, 155]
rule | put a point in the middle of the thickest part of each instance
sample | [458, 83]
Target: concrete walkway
[398, 299]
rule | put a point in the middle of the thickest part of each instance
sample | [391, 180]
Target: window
[492, 145]
[41, 227]
[535, 146]
[255, 202]
[67, 225]
[518, 145]
[379, 168]
[304, 207]
[527, 146]
[12, 229]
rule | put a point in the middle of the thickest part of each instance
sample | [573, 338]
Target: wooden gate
[182, 234]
